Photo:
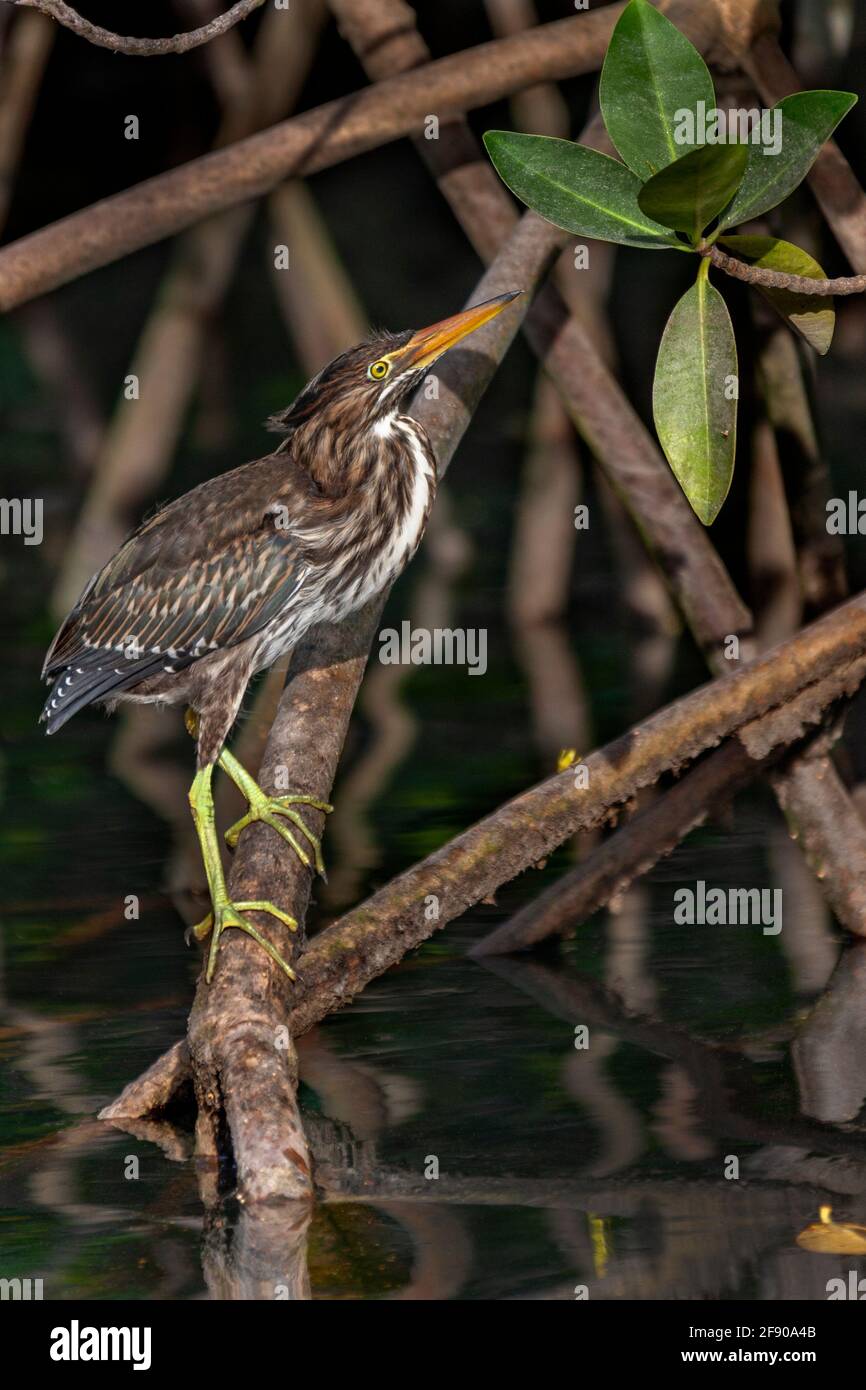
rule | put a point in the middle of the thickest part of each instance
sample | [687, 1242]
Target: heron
[225, 580]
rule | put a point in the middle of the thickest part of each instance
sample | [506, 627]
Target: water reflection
[469, 1066]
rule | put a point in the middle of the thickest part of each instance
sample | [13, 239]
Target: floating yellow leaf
[828, 1237]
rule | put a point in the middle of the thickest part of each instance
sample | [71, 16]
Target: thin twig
[139, 48]
[780, 279]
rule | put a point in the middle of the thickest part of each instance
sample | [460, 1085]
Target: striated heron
[222, 582]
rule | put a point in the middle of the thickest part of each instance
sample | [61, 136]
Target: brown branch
[820, 556]
[168, 203]
[780, 279]
[542, 109]
[21, 68]
[151, 1092]
[631, 852]
[824, 819]
[829, 1051]
[56, 361]
[140, 48]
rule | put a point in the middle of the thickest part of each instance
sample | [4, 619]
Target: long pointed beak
[425, 346]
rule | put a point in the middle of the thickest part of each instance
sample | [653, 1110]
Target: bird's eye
[377, 371]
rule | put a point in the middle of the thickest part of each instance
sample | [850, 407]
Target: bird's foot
[275, 811]
[225, 914]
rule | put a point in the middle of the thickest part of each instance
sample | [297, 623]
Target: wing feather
[205, 573]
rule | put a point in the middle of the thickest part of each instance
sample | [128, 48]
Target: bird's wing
[207, 571]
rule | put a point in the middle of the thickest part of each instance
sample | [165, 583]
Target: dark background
[463, 1065]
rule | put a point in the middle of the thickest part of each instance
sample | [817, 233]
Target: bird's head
[374, 379]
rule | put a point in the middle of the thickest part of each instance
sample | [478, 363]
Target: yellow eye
[378, 370]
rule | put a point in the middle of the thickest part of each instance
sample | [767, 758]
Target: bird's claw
[274, 811]
[230, 914]
[199, 931]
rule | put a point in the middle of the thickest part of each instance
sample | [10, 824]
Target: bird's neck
[390, 452]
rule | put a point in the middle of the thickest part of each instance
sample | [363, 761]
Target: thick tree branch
[140, 48]
[609, 871]
[238, 1044]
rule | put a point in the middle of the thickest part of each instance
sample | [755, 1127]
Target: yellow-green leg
[273, 811]
[225, 913]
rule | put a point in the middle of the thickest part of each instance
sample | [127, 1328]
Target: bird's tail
[77, 686]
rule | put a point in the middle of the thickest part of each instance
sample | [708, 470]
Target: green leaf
[576, 188]
[809, 314]
[696, 372]
[807, 120]
[652, 75]
[687, 195]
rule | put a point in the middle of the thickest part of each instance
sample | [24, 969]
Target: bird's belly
[331, 592]
[368, 573]
[330, 597]
[372, 579]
